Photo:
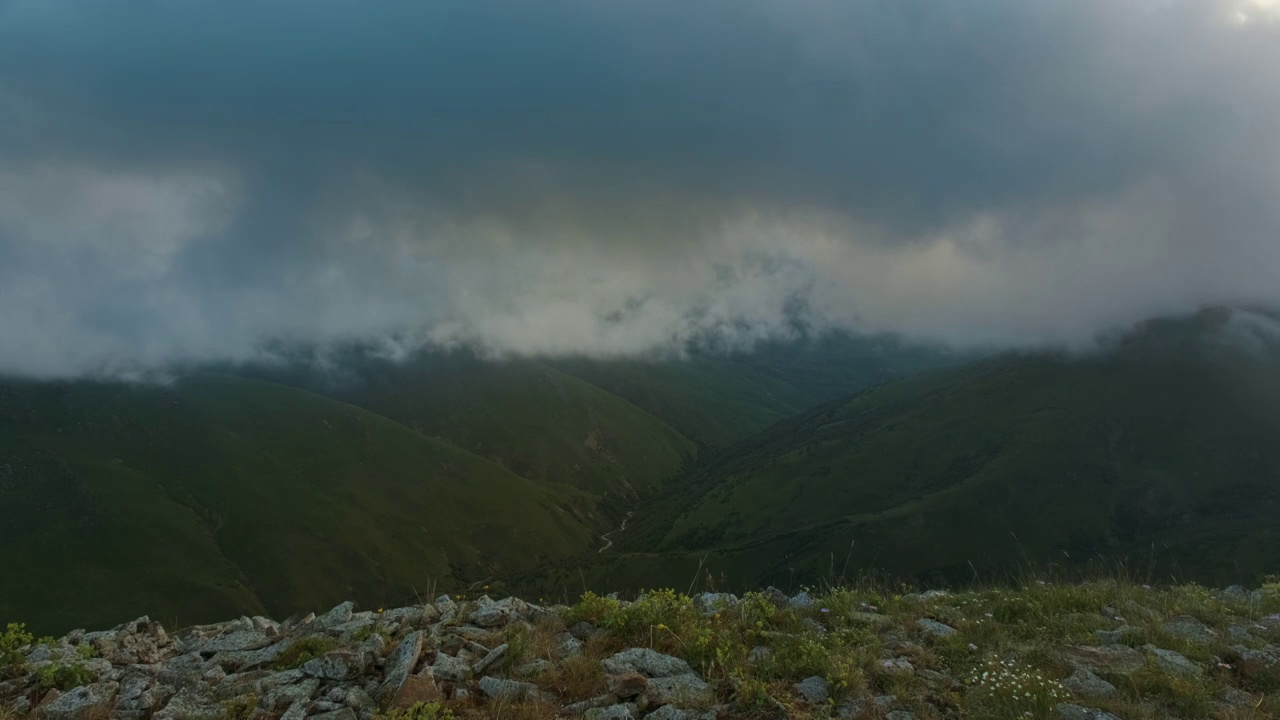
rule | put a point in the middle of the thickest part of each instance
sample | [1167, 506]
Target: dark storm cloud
[184, 180]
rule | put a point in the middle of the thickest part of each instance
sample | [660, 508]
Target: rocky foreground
[1079, 652]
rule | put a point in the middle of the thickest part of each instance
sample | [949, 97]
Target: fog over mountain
[188, 181]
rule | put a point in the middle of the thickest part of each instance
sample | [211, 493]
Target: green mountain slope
[1174, 464]
[223, 495]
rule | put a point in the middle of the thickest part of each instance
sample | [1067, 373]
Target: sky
[186, 181]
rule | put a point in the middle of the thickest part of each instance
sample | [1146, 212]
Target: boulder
[507, 690]
[1258, 666]
[345, 713]
[626, 685]
[285, 695]
[337, 665]
[500, 613]
[649, 662]
[401, 663]
[447, 667]
[82, 703]
[935, 628]
[1085, 684]
[688, 689]
[612, 712]
[236, 641]
[813, 689]
[599, 701]
[1174, 662]
[566, 645]
[669, 712]
[335, 617]
[1185, 627]
[1115, 659]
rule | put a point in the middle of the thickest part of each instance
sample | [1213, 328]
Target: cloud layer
[190, 181]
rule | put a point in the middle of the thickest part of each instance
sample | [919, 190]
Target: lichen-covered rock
[688, 689]
[337, 665]
[649, 662]
[708, 602]
[612, 712]
[500, 613]
[935, 628]
[1085, 684]
[1185, 627]
[335, 617]
[508, 690]
[447, 667]
[813, 689]
[285, 695]
[1174, 662]
[401, 664]
[81, 703]
[1117, 659]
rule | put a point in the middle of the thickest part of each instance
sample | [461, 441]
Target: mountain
[222, 495]
[1171, 460]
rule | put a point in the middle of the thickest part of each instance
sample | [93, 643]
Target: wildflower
[972, 646]
[662, 626]
[824, 610]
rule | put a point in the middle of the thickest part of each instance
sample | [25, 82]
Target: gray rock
[567, 645]
[359, 699]
[337, 665]
[490, 659]
[1108, 637]
[345, 713]
[935, 628]
[1174, 662]
[813, 689]
[401, 663]
[239, 640]
[413, 614]
[1117, 659]
[1083, 683]
[678, 690]
[242, 660]
[500, 614]
[899, 715]
[1067, 711]
[709, 603]
[191, 705]
[668, 712]
[935, 594]
[275, 680]
[296, 711]
[1185, 627]
[509, 690]
[335, 617]
[583, 630]
[81, 702]
[648, 662]
[801, 600]
[1240, 634]
[1237, 697]
[447, 667]
[599, 701]
[612, 712]
[285, 695]
[898, 665]
[1262, 664]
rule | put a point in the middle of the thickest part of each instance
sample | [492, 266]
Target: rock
[345, 713]
[239, 684]
[234, 641]
[1240, 634]
[491, 658]
[1262, 665]
[286, 695]
[401, 664]
[567, 645]
[759, 654]
[1067, 711]
[626, 685]
[599, 701]
[899, 665]
[935, 595]
[613, 712]
[679, 690]
[583, 630]
[500, 614]
[1108, 637]
[776, 596]
[935, 628]
[296, 711]
[643, 660]
[335, 617]
[190, 705]
[418, 688]
[337, 665]
[359, 699]
[412, 615]
[269, 682]
[508, 690]
[668, 712]
[813, 689]
[1085, 684]
[1117, 659]
[1185, 627]
[1237, 697]
[450, 668]
[241, 660]
[851, 710]
[533, 668]
[1174, 662]
[82, 703]
[801, 600]
[709, 603]
[899, 715]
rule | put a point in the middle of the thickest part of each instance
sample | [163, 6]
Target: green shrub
[302, 650]
[240, 708]
[12, 641]
[64, 675]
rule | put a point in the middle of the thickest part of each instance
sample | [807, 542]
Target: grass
[303, 650]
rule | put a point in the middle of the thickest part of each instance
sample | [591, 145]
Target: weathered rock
[612, 712]
[1185, 627]
[898, 665]
[401, 664]
[583, 630]
[626, 685]
[500, 614]
[335, 617]
[599, 701]
[508, 690]
[708, 602]
[447, 667]
[239, 684]
[359, 700]
[420, 687]
[296, 711]
[533, 668]
[286, 695]
[567, 645]
[236, 641]
[1261, 665]
[191, 705]
[900, 715]
[1118, 659]
[813, 689]
[345, 713]
[81, 703]
[686, 689]
[935, 628]
[1067, 711]
[643, 660]
[490, 660]
[1174, 662]
[241, 660]
[275, 680]
[670, 712]
[1237, 697]
[801, 600]
[1085, 684]
[337, 665]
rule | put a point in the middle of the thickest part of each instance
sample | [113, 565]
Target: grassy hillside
[222, 495]
[1173, 465]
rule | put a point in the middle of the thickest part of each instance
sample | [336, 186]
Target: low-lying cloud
[183, 182]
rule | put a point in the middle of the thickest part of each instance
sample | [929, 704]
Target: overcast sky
[183, 180]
